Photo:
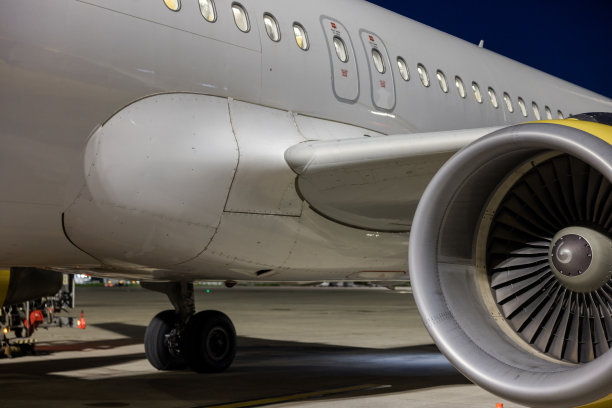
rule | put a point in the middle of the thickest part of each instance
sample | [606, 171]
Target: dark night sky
[568, 39]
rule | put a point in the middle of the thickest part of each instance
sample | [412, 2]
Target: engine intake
[511, 266]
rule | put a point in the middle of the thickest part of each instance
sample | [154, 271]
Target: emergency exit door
[381, 72]
[344, 75]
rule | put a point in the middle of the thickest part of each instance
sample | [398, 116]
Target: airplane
[171, 141]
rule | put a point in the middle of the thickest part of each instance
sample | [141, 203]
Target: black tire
[156, 345]
[209, 342]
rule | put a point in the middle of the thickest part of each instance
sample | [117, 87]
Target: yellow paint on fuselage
[604, 132]
[602, 403]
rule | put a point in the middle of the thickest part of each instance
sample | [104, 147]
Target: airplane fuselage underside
[199, 185]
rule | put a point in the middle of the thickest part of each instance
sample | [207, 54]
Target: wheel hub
[217, 343]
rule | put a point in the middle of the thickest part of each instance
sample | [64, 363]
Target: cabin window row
[242, 21]
[461, 90]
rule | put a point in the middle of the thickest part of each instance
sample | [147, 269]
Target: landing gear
[160, 342]
[209, 342]
[204, 341]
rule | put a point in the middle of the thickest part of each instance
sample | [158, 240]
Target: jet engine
[511, 262]
[20, 284]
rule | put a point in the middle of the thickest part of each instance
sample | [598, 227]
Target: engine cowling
[21, 284]
[511, 262]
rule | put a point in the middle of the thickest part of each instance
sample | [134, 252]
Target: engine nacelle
[20, 284]
[511, 262]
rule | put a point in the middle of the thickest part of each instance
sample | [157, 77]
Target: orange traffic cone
[81, 322]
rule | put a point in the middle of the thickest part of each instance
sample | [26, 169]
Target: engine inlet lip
[530, 377]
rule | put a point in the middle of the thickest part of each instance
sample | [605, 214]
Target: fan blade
[548, 329]
[521, 299]
[536, 323]
[571, 336]
[579, 174]
[586, 335]
[509, 275]
[522, 318]
[520, 210]
[542, 209]
[599, 335]
[563, 175]
[556, 348]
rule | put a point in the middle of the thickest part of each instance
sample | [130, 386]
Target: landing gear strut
[204, 341]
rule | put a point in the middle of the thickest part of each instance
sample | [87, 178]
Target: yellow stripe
[605, 402]
[305, 395]
[5, 277]
[604, 132]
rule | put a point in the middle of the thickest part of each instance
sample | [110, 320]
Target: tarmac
[297, 347]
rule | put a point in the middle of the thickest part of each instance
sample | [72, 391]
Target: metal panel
[325, 248]
[189, 19]
[373, 183]
[248, 243]
[157, 177]
[321, 129]
[345, 77]
[308, 248]
[382, 84]
[263, 134]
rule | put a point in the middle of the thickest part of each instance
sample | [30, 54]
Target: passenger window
[423, 74]
[536, 110]
[460, 87]
[271, 27]
[560, 114]
[240, 17]
[403, 69]
[521, 104]
[493, 97]
[378, 61]
[300, 36]
[508, 101]
[207, 8]
[476, 90]
[173, 5]
[548, 112]
[442, 81]
[340, 49]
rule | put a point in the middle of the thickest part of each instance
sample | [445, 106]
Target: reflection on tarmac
[113, 372]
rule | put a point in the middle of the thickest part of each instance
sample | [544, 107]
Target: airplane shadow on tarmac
[263, 368]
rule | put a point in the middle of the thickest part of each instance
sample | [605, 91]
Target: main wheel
[158, 351]
[209, 342]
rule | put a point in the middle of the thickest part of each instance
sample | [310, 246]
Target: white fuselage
[67, 66]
